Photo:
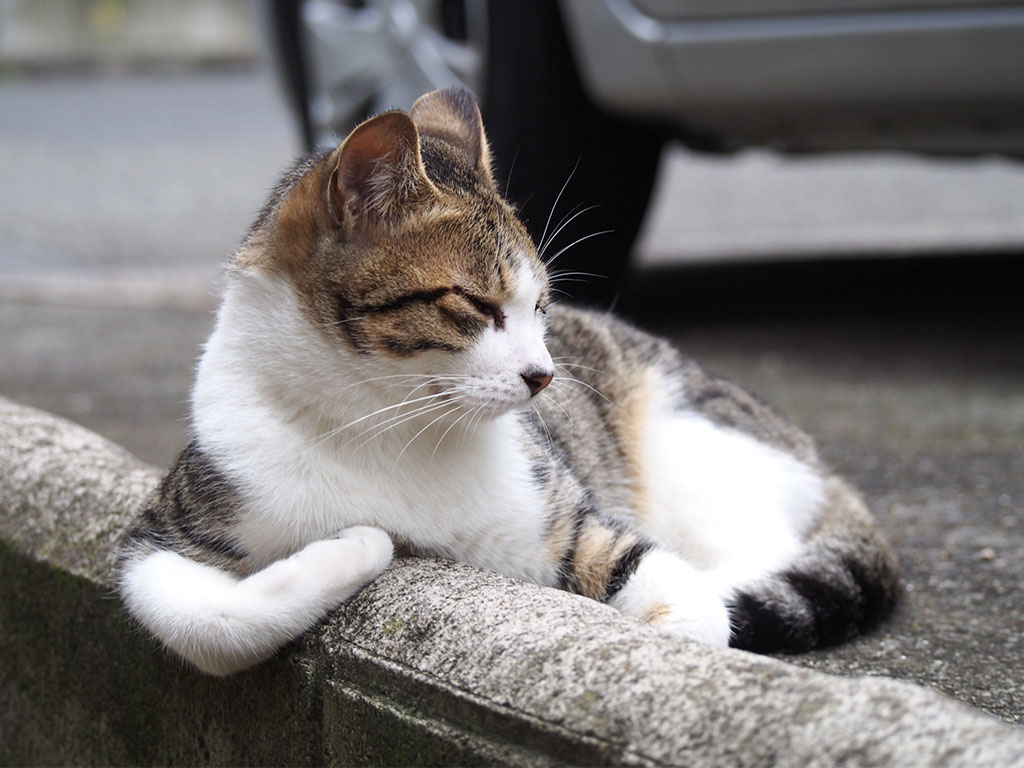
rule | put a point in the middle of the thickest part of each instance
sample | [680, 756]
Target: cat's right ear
[378, 173]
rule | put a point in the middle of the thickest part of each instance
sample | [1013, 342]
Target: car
[579, 96]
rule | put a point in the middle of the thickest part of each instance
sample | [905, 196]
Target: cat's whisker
[342, 322]
[543, 425]
[547, 242]
[394, 417]
[564, 274]
[379, 411]
[577, 365]
[408, 400]
[403, 376]
[425, 401]
[565, 223]
[477, 419]
[577, 241]
[380, 429]
[436, 380]
[511, 168]
[408, 377]
[424, 429]
[565, 406]
[551, 399]
[568, 377]
[543, 237]
[471, 414]
[445, 433]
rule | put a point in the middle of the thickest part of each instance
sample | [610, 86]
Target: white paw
[701, 616]
[375, 543]
[347, 562]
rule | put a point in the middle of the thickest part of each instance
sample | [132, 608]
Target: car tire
[543, 129]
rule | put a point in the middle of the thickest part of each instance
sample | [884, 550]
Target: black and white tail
[844, 581]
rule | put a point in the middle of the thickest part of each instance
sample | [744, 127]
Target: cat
[388, 368]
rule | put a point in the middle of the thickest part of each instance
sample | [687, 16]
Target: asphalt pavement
[121, 199]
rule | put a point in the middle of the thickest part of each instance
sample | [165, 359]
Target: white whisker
[576, 242]
[568, 377]
[543, 237]
[343, 427]
[424, 429]
[445, 433]
[422, 411]
[577, 365]
[562, 225]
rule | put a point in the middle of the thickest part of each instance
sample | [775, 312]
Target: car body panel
[932, 79]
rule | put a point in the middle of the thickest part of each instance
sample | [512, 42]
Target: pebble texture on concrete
[436, 662]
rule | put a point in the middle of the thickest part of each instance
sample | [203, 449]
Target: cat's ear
[452, 115]
[378, 172]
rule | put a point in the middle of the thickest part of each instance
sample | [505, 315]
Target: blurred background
[873, 296]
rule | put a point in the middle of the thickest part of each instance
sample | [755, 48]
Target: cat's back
[612, 376]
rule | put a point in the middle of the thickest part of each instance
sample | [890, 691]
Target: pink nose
[536, 379]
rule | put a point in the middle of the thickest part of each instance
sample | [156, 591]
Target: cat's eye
[540, 310]
[488, 308]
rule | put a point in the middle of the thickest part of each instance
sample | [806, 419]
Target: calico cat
[387, 366]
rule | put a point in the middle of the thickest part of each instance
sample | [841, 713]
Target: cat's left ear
[452, 115]
[378, 173]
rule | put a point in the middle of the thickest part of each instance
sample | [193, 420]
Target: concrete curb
[436, 662]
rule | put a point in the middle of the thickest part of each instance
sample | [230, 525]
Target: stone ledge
[436, 662]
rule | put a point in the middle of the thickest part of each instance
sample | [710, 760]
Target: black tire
[285, 37]
[541, 124]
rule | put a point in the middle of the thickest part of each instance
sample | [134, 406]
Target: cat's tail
[844, 581]
[221, 623]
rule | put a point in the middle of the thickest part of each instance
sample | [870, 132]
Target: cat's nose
[536, 378]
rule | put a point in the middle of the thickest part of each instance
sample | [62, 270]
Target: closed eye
[484, 307]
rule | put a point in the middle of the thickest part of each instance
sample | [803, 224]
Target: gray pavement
[121, 198]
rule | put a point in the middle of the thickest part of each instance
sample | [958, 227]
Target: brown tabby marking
[630, 419]
[599, 551]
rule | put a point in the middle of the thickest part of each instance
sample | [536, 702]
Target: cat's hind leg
[222, 623]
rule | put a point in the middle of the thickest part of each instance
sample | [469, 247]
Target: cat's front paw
[669, 593]
[347, 562]
[375, 543]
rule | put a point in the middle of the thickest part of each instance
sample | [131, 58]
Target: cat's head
[403, 253]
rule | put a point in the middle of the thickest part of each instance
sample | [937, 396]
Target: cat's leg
[620, 567]
[223, 624]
